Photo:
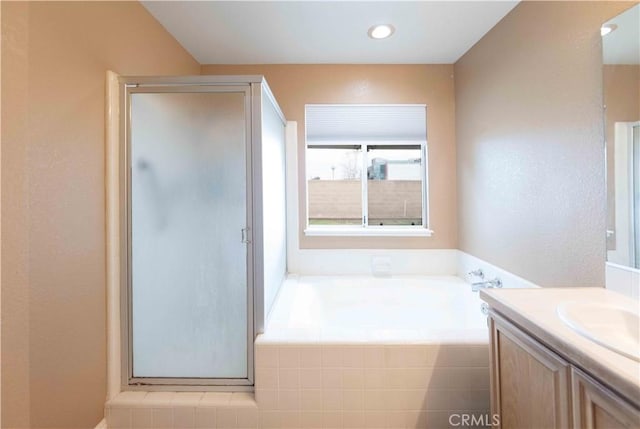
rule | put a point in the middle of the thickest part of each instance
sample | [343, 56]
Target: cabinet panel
[596, 407]
[530, 384]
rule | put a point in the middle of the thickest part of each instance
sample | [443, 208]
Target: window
[366, 170]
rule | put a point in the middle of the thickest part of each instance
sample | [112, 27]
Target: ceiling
[622, 46]
[316, 32]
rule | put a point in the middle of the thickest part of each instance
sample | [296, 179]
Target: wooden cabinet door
[529, 383]
[596, 407]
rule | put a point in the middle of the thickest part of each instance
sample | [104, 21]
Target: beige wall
[529, 126]
[531, 174]
[297, 85]
[54, 59]
[622, 101]
[14, 225]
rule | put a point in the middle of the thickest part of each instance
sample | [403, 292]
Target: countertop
[534, 311]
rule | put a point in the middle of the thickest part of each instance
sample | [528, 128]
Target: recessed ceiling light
[381, 31]
[607, 28]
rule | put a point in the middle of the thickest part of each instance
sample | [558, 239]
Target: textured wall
[297, 85]
[529, 130]
[14, 223]
[54, 59]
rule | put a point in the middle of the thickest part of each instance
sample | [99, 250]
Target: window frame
[364, 229]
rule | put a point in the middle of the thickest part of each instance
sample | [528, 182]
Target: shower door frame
[187, 84]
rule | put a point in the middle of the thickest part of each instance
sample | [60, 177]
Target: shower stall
[202, 222]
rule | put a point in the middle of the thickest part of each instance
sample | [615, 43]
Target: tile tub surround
[467, 263]
[328, 386]
[624, 280]
[370, 385]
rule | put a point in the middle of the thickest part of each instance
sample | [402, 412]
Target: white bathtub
[359, 351]
[365, 309]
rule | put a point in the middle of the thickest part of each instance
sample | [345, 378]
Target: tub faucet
[487, 284]
[476, 273]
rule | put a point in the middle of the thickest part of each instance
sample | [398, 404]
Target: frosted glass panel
[274, 202]
[188, 206]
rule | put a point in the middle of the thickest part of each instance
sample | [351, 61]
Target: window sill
[367, 232]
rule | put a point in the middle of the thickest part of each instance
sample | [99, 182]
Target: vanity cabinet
[596, 407]
[529, 383]
[534, 387]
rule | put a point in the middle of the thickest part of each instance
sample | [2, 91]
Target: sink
[614, 327]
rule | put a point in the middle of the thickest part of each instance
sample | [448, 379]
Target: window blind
[344, 123]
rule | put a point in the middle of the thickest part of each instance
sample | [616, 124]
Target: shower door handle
[245, 235]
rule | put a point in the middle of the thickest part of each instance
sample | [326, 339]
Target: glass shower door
[189, 288]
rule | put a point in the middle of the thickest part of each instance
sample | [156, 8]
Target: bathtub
[364, 352]
[366, 309]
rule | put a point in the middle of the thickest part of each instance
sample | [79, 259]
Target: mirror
[621, 73]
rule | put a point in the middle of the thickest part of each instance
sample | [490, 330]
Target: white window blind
[341, 124]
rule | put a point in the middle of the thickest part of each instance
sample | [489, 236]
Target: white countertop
[534, 310]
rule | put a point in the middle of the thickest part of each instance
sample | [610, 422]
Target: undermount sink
[614, 327]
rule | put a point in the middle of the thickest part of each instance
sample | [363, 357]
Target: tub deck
[370, 310]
